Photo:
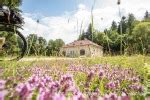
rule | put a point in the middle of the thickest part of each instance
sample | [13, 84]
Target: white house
[79, 48]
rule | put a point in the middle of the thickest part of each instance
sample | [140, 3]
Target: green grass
[8, 68]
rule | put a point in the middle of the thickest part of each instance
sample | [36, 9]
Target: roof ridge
[80, 43]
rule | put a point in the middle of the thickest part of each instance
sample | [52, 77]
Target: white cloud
[81, 7]
[67, 26]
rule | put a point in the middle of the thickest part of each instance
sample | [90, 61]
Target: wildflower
[106, 97]
[110, 85]
[2, 84]
[140, 89]
[54, 86]
[124, 96]
[113, 96]
[78, 96]
[59, 96]
[3, 94]
[90, 75]
[24, 92]
[19, 87]
[101, 74]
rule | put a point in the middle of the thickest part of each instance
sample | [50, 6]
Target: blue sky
[52, 7]
[48, 7]
[54, 16]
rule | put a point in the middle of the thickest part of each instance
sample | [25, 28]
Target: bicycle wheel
[15, 45]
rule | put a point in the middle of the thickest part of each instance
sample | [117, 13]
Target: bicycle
[13, 44]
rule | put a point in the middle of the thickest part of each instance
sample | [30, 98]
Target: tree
[42, 46]
[99, 38]
[123, 23]
[147, 16]
[11, 3]
[114, 26]
[114, 39]
[89, 33]
[82, 36]
[32, 40]
[13, 43]
[102, 39]
[50, 47]
[130, 23]
[58, 44]
[141, 33]
[53, 47]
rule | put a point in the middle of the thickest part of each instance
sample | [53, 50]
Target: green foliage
[11, 3]
[131, 22]
[38, 46]
[114, 26]
[88, 34]
[32, 40]
[147, 16]
[123, 23]
[13, 43]
[141, 33]
[54, 46]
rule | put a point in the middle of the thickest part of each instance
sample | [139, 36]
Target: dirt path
[47, 58]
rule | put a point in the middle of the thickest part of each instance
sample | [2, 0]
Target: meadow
[106, 78]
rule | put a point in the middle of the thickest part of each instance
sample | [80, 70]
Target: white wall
[90, 51]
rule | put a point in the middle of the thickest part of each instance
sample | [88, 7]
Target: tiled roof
[80, 43]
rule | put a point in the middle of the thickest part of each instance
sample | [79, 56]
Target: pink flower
[2, 84]
[110, 85]
[90, 75]
[113, 96]
[101, 74]
[124, 97]
[33, 79]
[3, 94]
[24, 90]
[19, 87]
[106, 97]
[59, 97]
[54, 87]
[78, 96]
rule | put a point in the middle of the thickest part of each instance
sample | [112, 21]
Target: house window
[82, 52]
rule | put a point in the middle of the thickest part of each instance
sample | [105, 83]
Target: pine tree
[114, 26]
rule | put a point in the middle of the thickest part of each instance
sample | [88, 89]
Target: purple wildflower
[3, 94]
[2, 84]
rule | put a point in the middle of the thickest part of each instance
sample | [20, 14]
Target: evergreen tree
[114, 26]
[123, 24]
[147, 16]
[130, 23]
